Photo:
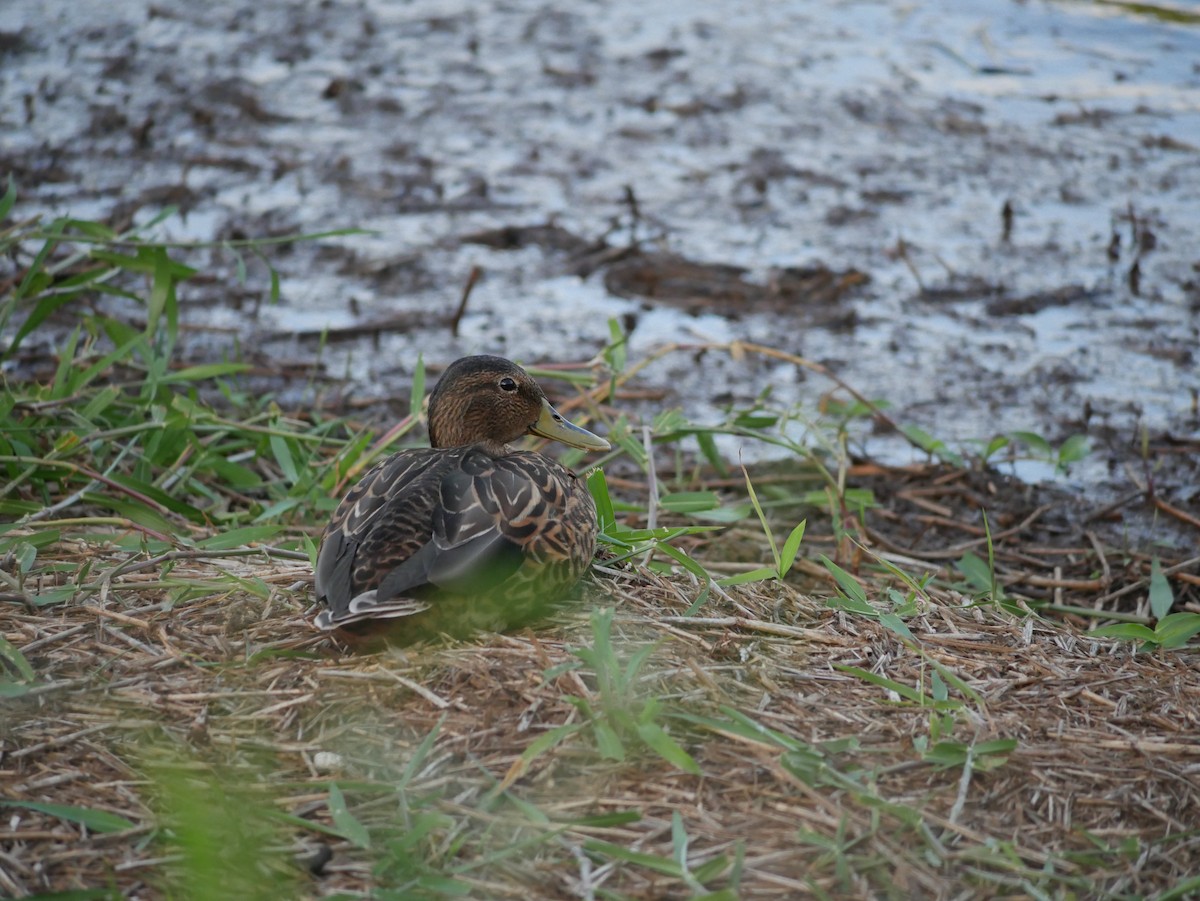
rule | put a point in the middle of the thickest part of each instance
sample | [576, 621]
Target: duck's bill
[551, 424]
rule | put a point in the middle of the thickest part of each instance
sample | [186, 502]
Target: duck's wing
[480, 529]
[384, 519]
[481, 518]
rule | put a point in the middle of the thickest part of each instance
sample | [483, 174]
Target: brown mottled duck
[467, 535]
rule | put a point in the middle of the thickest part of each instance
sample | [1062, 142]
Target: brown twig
[472, 279]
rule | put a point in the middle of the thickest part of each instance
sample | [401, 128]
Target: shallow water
[881, 135]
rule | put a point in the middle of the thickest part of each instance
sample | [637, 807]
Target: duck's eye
[507, 384]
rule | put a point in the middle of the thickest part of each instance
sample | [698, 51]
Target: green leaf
[242, 537]
[996, 444]
[134, 511]
[791, 547]
[708, 447]
[101, 402]
[710, 870]
[420, 755]
[1130, 631]
[49, 596]
[35, 277]
[955, 681]
[160, 290]
[1036, 442]
[762, 518]
[603, 820]
[277, 509]
[984, 756]
[996, 746]
[417, 393]
[1181, 891]
[755, 420]
[846, 582]
[13, 656]
[348, 825]
[1161, 597]
[806, 764]
[548, 740]
[234, 474]
[683, 559]
[689, 501]
[301, 823]
[679, 841]
[667, 748]
[66, 361]
[1073, 450]
[899, 688]
[931, 445]
[598, 486]
[946, 754]
[206, 372]
[732, 513]
[851, 605]
[9, 198]
[894, 623]
[1176, 629]
[649, 861]
[25, 555]
[755, 575]
[615, 352]
[95, 820]
[156, 494]
[282, 450]
[742, 726]
[608, 742]
[976, 571]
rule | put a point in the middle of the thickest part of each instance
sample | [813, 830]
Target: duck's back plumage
[451, 541]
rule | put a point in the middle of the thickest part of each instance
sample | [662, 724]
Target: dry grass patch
[808, 751]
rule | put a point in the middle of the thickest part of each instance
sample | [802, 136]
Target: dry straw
[811, 774]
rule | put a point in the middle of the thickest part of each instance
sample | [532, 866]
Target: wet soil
[982, 213]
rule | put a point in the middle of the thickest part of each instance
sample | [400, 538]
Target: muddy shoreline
[992, 229]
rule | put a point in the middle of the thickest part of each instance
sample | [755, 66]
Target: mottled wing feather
[372, 530]
[434, 530]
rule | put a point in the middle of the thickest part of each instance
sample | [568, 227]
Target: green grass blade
[689, 501]
[608, 742]
[899, 688]
[846, 582]
[241, 537]
[417, 393]
[639, 858]
[348, 825]
[598, 486]
[13, 656]
[96, 820]
[755, 575]
[1161, 596]
[9, 198]
[657, 739]
[791, 547]
[207, 371]
[1127, 631]
[762, 518]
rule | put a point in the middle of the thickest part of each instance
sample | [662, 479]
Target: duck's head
[491, 400]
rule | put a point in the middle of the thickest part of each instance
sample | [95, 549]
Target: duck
[467, 535]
